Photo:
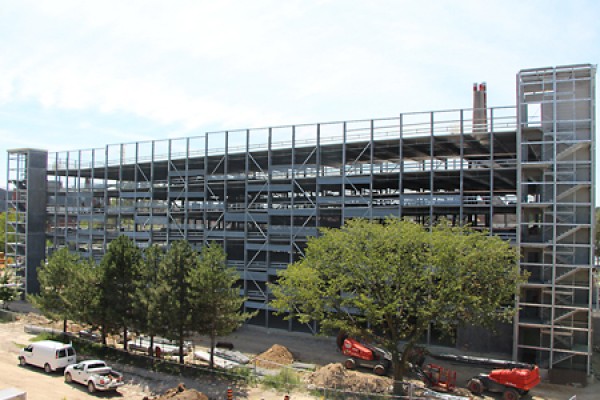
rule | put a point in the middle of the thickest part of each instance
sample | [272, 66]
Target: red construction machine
[365, 355]
[379, 360]
[511, 382]
[512, 379]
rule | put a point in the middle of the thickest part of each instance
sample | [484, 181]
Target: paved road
[37, 384]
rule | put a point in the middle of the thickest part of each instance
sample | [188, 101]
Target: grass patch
[244, 373]
[285, 379]
[47, 336]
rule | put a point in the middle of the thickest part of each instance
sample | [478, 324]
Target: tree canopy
[173, 294]
[83, 294]
[3, 218]
[148, 311]
[121, 273]
[215, 299]
[2, 231]
[388, 282]
[174, 312]
[56, 278]
[8, 292]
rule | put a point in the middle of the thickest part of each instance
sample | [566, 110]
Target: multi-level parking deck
[262, 193]
[524, 173]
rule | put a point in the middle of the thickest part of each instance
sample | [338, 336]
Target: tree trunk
[212, 348]
[399, 369]
[401, 365]
[103, 334]
[125, 332]
[65, 326]
[151, 345]
[181, 346]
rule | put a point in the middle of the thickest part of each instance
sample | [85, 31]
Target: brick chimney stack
[479, 107]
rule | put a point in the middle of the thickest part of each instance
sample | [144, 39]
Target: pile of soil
[276, 357]
[35, 319]
[40, 320]
[335, 376]
[180, 393]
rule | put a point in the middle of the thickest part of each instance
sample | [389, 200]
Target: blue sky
[77, 74]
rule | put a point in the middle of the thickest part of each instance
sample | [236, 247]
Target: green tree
[119, 277]
[216, 301]
[56, 279]
[3, 218]
[174, 312]
[388, 282]
[83, 294]
[2, 232]
[147, 307]
[8, 292]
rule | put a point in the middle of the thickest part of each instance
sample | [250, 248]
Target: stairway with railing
[556, 176]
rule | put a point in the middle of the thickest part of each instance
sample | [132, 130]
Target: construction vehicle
[512, 379]
[436, 377]
[379, 360]
[365, 355]
[512, 383]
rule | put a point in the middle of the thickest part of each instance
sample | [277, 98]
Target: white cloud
[235, 63]
[115, 71]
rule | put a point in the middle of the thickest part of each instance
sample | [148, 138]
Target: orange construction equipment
[439, 378]
[365, 355]
[511, 382]
[512, 379]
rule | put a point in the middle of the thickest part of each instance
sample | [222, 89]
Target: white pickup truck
[95, 374]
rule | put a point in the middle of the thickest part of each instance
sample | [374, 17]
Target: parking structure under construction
[524, 173]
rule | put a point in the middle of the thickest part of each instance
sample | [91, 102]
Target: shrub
[285, 379]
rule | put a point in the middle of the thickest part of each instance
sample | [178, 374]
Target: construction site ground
[251, 341]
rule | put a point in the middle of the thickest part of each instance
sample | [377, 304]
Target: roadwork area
[249, 340]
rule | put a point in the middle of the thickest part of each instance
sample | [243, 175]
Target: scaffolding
[556, 218]
[523, 173]
[25, 215]
[262, 193]
[16, 217]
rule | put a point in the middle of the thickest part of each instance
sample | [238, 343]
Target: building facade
[524, 173]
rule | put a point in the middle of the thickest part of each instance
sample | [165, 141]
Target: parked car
[95, 374]
[48, 354]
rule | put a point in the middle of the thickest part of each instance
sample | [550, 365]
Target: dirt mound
[275, 357]
[180, 393]
[41, 320]
[35, 319]
[335, 376]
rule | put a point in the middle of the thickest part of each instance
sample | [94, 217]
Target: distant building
[523, 172]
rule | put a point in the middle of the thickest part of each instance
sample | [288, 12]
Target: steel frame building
[524, 173]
